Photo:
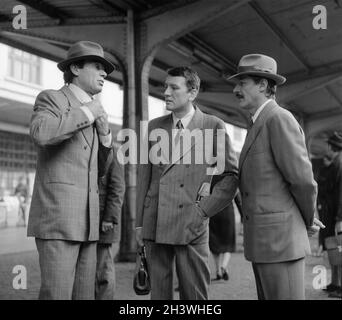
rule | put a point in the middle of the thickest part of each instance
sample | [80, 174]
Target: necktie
[179, 127]
[249, 125]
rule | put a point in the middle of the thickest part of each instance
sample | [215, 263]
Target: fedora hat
[259, 65]
[86, 50]
[336, 140]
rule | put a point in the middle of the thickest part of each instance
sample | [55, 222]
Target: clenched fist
[102, 125]
[95, 108]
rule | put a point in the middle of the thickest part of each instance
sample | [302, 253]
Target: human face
[178, 97]
[249, 93]
[90, 78]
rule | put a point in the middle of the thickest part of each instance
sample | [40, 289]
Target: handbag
[141, 281]
[334, 248]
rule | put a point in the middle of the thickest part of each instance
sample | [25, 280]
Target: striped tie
[179, 126]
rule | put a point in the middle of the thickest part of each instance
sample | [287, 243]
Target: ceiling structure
[310, 59]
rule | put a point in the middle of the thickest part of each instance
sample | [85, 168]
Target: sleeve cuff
[106, 140]
[88, 113]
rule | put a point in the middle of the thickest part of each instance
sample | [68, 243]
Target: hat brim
[278, 79]
[334, 143]
[108, 66]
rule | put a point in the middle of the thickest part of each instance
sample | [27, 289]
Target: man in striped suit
[172, 214]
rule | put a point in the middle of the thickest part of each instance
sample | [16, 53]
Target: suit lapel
[255, 130]
[75, 103]
[195, 123]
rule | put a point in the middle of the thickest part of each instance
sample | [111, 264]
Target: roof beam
[108, 5]
[276, 30]
[334, 95]
[46, 9]
[291, 92]
[163, 8]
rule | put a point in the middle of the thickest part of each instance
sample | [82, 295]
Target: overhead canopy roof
[310, 59]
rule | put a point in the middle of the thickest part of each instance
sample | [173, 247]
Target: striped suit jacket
[166, 194]
[65, 199]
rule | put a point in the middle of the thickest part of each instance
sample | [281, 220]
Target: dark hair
[68, 76]
[192, 79]
[271, 86]
[335, 148]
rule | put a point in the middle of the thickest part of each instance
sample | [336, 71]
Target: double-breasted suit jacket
[65, 200]
[277, 188]
[166, 193]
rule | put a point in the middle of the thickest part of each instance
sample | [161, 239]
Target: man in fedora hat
[334, 210]
[71, 131]
[276, 183]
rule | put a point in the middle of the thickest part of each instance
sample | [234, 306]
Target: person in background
[334, 205]
[112, 190]
[21, 192]
[222, 238]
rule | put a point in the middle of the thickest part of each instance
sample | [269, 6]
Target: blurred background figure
[21, 192]
[222, 238]
[331, 203]
[112, 190]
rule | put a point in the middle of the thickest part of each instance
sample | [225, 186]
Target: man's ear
[74, 69]
[193, 94]
[263, 85]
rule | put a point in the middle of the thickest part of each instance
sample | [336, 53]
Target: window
[24, 66]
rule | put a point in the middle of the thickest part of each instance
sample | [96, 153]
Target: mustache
[238, 95]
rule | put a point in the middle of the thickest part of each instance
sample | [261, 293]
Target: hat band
[253, 69]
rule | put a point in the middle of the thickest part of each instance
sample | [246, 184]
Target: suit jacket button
[182, 185]
[85, 147]
[180, 206]
[247, 217]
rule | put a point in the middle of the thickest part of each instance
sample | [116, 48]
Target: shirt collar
[79, 93]
[185, 120]
[256, 114]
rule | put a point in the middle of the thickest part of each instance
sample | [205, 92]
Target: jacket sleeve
[224, 185]
[51, 124]
[115, 191]
[291, 157]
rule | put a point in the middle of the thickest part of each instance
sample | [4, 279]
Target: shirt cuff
[138, 228]
[88, 113]
[106, 140]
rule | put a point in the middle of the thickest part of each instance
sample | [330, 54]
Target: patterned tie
[179, 126]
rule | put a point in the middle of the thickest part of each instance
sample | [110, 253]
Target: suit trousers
[105, 271]
[192, 267]
[67, 269]
[281, 280]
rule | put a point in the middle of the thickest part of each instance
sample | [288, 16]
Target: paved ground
[16, 249]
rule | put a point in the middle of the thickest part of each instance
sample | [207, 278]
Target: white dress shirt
[84, 97]
[256, 114]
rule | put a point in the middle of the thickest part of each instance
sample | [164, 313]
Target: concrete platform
[17, 249]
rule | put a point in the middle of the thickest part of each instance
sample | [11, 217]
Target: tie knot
[179, 125]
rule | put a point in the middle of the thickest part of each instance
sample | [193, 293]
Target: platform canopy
[211, 36]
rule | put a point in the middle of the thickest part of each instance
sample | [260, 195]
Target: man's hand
[315, 227]
[138, 237]
[95, 108]
[107, 226]
[102, 125]
[338, 227]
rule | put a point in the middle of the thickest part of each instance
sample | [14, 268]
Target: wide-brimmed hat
[336, 140]
[259, 65]
[86, 50]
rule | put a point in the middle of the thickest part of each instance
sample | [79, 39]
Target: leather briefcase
[334, 248]
[141, 281]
